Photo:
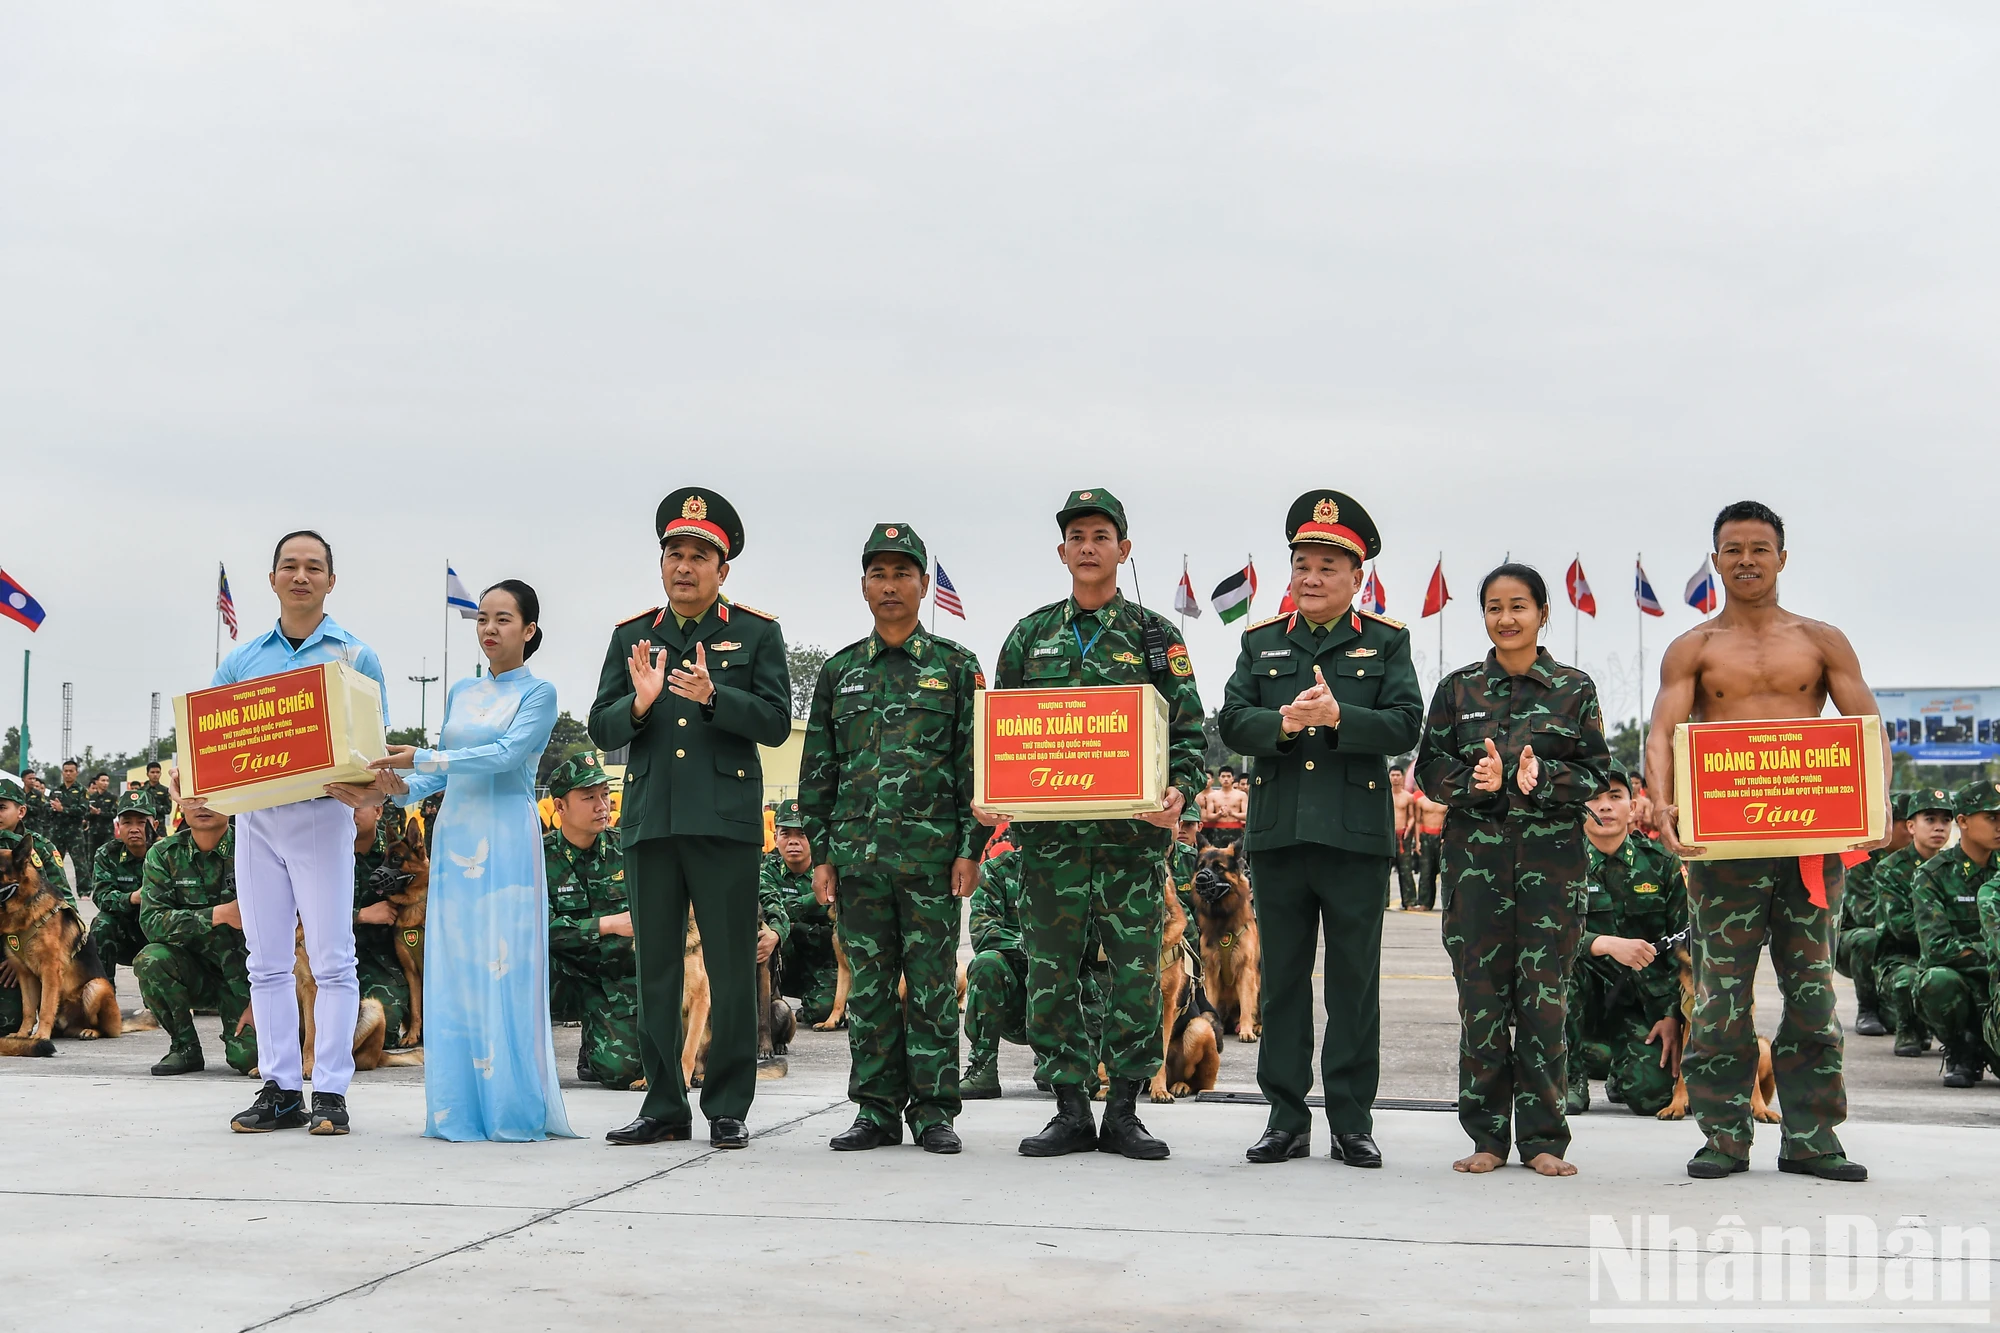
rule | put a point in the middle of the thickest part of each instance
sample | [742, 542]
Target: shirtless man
[1406, 837]
[1224, 808]
[1430, 849]
[1757, 660]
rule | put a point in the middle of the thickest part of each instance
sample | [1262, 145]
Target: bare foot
[1548, 1164]
[1478, 1164]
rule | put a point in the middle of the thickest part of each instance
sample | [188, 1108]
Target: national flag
[1642, 592]
[224, 603]
[944, 596]
[1231, 597]
[16, 605]
[1701, 593]
[455, 595]
[1579, 589]
[1437, 594]
[1372, 598]
[1185, 602]
[1285, 604]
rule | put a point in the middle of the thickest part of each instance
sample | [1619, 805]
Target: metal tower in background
[69, 717]
[153, 729]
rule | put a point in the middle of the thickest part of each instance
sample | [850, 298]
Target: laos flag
[16, 605]
[1701, 594]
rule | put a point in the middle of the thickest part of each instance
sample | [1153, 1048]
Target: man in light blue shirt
[295, 864]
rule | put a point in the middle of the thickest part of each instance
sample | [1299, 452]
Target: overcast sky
[485, 282]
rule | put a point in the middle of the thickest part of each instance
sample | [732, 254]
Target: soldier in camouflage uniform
[996, 980]
[1514, 747]
[69, 809]
[590, 923]
[1928, 818]
[156, 792]
[115, 878]
[785, 892]
[1955, 990]
[1105, 871]
[196, 957]
[35, 803]
[15, 833]
[1621, 992]
[1856, 936]
[377, 970]
[1989, 935]
[885, 787]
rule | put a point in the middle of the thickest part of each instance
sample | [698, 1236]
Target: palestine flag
[1231, 598]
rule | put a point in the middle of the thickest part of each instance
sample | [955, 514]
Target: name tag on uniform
[853, 689]
[1049, 651]
[1468, 717]
[1967, 898]
[1361, 652]
[1276, 652]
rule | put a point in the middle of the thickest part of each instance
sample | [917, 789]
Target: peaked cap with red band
[1328, 518]
[696, 511]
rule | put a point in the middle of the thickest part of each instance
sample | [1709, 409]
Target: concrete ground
[128, 1204]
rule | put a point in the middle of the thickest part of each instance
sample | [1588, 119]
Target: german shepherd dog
[1763, 1090]
[403, 880]
[64, 992]
[1230, 956]
[695, 1002]
[1190, 1055]
[371, 1022]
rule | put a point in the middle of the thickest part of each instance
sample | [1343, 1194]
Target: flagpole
[1639, 562]
[219, 575]
[446, 672]
[1576, 622]
[1440, 565]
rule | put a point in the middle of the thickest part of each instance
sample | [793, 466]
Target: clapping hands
[1315, 707]
[1489, 774]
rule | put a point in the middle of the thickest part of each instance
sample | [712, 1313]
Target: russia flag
[1642, 592]
[16, 605]
[1701, 591]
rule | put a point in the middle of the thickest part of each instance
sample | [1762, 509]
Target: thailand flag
[17, 606]
[1701, 592]
[1372, 599]
[1642, 592]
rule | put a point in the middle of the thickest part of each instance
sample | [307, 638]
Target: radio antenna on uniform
[1150, 631]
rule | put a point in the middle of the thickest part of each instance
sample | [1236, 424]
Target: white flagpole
[448, 609]
[1576, 621]
[1639, 563]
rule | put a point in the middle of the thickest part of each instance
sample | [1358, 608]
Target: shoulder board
[651, 610]
[1383, 620]
[839, 653]
[1268, 620]
[742, 606]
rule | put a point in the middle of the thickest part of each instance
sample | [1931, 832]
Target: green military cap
[582, 769]
[1614, 773]
[696, 511]
[1095, 500]
[133, 803]
[1330, 518]
[1976, 798]
[789, 816]
[12, 790]
[896, 539]
[1899, 805]
[1926, 799]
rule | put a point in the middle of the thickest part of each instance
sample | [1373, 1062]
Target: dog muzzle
[386, 880]
[7, 892]
[1211, 885]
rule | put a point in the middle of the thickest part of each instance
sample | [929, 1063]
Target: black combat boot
[184, 1050]
[1123, 1131]
[1072, 1130]
[1868, 1023]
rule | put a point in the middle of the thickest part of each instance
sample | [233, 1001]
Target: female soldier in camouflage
[1514, 747]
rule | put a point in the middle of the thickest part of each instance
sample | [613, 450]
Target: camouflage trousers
[609, 1008]
[118, 939]
[1952, 1002]
[1896, 978]
[996, 1003]
[1076, 899]
[811, 971]
[175, 980]
[1737, 906]
[1514, 895]
[896, 927]
[1854, 957]
[392, 988]
[1620, 1028]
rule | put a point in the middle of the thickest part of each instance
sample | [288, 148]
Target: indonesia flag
[1642, 592]
[1579, 589]
[1437, 594]
[1701, 594]
[944, 596]
[1372, 599]
[1185, 602]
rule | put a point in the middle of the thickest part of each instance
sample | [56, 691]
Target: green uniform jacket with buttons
[693, 768]
[885, 777]
[1327, 787]
[114, 877]
[586, 884]
[182, 886]
[1552, 707]
[1638, 893]
[1945, 903]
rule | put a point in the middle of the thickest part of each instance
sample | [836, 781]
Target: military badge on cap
[694, 511]
[1096, 500]
[896, 539]
[1329, 518]
[788, 816]
[583, 769]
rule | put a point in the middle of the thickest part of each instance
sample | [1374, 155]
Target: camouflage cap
[133, 803]
[788, 815]
[1899, 806]
[1616, 773]
[1976, 798]
[896, 539]
[1095, 500]
[12, 790]
[1925, 799]
[582, 769]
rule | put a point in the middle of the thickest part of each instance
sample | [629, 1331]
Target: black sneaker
[275, 1108]
[329, 1113]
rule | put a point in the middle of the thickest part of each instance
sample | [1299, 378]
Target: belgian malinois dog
[1229, 948]
[64, 992]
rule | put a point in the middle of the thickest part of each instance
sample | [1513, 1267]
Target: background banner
[1947, 726]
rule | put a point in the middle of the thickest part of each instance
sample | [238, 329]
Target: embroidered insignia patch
[412, 937]
[1177, 660]
[1361, 652]
[1645, 888]
[13, 944]
[979, 680]
[1047, 650]
[727, 647]
[1129, 659]
[933, 683]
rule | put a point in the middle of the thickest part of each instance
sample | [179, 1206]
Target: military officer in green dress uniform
[885, 785]
[115, 878]
[1321, 698]
[694, 687]
[1099, 878]
[590, 924]
[785, 891]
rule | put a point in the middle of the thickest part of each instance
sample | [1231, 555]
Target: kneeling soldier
[590, 924]
[1897, 972]
[376, 968]
[1621, 992]
[885, 786]
[996, 980]
[115, 877]
[1856, 936]
[196, 957]
[785, 893]
[1953, 991]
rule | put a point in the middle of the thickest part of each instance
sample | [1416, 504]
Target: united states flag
[945, 596]
[223, 601]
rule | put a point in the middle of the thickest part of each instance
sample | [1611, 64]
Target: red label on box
[1778, 781]
[258, 729]
[1065, 744]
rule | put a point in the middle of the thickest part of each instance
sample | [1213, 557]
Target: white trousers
[295, 866]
